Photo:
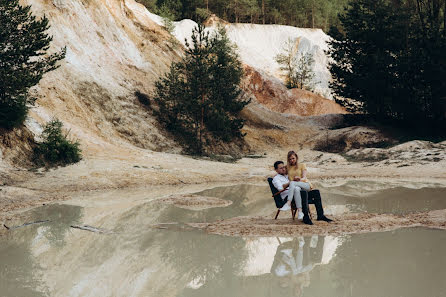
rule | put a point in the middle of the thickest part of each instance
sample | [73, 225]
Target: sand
[174, 177]
[342, 224]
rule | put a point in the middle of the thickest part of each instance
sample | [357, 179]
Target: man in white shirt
[282, 183]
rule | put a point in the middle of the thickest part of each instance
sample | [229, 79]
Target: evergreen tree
[200, 98]
[299, 13]
[390, 57]
[23, 59]
[225, 92]
[365, 66]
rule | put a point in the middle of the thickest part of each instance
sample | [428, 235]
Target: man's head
[280, 167]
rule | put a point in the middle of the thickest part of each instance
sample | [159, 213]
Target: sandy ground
[195, 202]
[342, 224]
[174, 177]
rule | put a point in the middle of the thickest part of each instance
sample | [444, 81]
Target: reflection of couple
[290, 181]
[295, 259]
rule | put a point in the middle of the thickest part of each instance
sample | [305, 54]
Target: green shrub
[56, 148]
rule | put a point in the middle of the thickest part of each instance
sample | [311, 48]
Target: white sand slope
[258, 45]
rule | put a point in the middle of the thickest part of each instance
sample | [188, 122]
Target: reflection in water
[406, 262]
[139, 260]
[296, 258]
[20, 274]
[396, 200]
[270, 267]
[354, 196]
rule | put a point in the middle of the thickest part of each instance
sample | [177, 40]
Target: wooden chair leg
[277, 214]
[292, 214]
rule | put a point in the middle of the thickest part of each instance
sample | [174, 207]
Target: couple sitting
[290, 181]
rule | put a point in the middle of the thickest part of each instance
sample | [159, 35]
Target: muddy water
[351, 196]
[139, 259]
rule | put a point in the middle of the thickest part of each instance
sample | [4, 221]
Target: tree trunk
[263, 11]
[312, 14]
[235, 11]
[444, 19]
[420, 15]
[202, 122]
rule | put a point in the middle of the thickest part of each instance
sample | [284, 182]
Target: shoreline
[159, 175]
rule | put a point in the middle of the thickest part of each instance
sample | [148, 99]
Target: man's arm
[278, 184]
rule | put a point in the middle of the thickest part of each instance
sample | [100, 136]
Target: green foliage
[304, 74]
[300, 13]
[390, 58]
[168, 12]
[150, 4]
[170, 9]
[297, 68]
[199, 99]
[23, 59]
[56, 148]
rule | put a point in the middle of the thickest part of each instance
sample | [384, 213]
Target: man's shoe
[307, 220]
[300, 215]
[324, 218]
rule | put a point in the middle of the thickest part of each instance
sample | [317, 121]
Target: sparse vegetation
[297, 67]
[56, 148]
[23, 59]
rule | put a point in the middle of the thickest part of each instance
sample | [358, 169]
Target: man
[282, 183]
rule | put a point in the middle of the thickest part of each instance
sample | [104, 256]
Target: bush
[56, 148]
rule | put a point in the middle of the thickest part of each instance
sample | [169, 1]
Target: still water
[53, 259]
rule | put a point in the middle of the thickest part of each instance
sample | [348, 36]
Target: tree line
[390, 58]
[299, 13]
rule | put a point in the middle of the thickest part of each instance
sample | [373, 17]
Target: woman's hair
[290, 153]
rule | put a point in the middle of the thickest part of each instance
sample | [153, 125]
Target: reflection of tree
[201, 256]
[61, 217]
[288, 275]
[18, 268]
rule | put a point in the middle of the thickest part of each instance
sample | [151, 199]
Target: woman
[297, 172]
[297, 176]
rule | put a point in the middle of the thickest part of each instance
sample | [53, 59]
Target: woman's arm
[304, 174]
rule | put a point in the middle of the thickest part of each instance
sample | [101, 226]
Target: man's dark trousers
[312, 197]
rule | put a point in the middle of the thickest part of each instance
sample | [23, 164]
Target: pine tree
[23, 59]
[227, 73]
[390, 57]
[200, 97]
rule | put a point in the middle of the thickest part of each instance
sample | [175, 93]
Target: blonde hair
[290, 153]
